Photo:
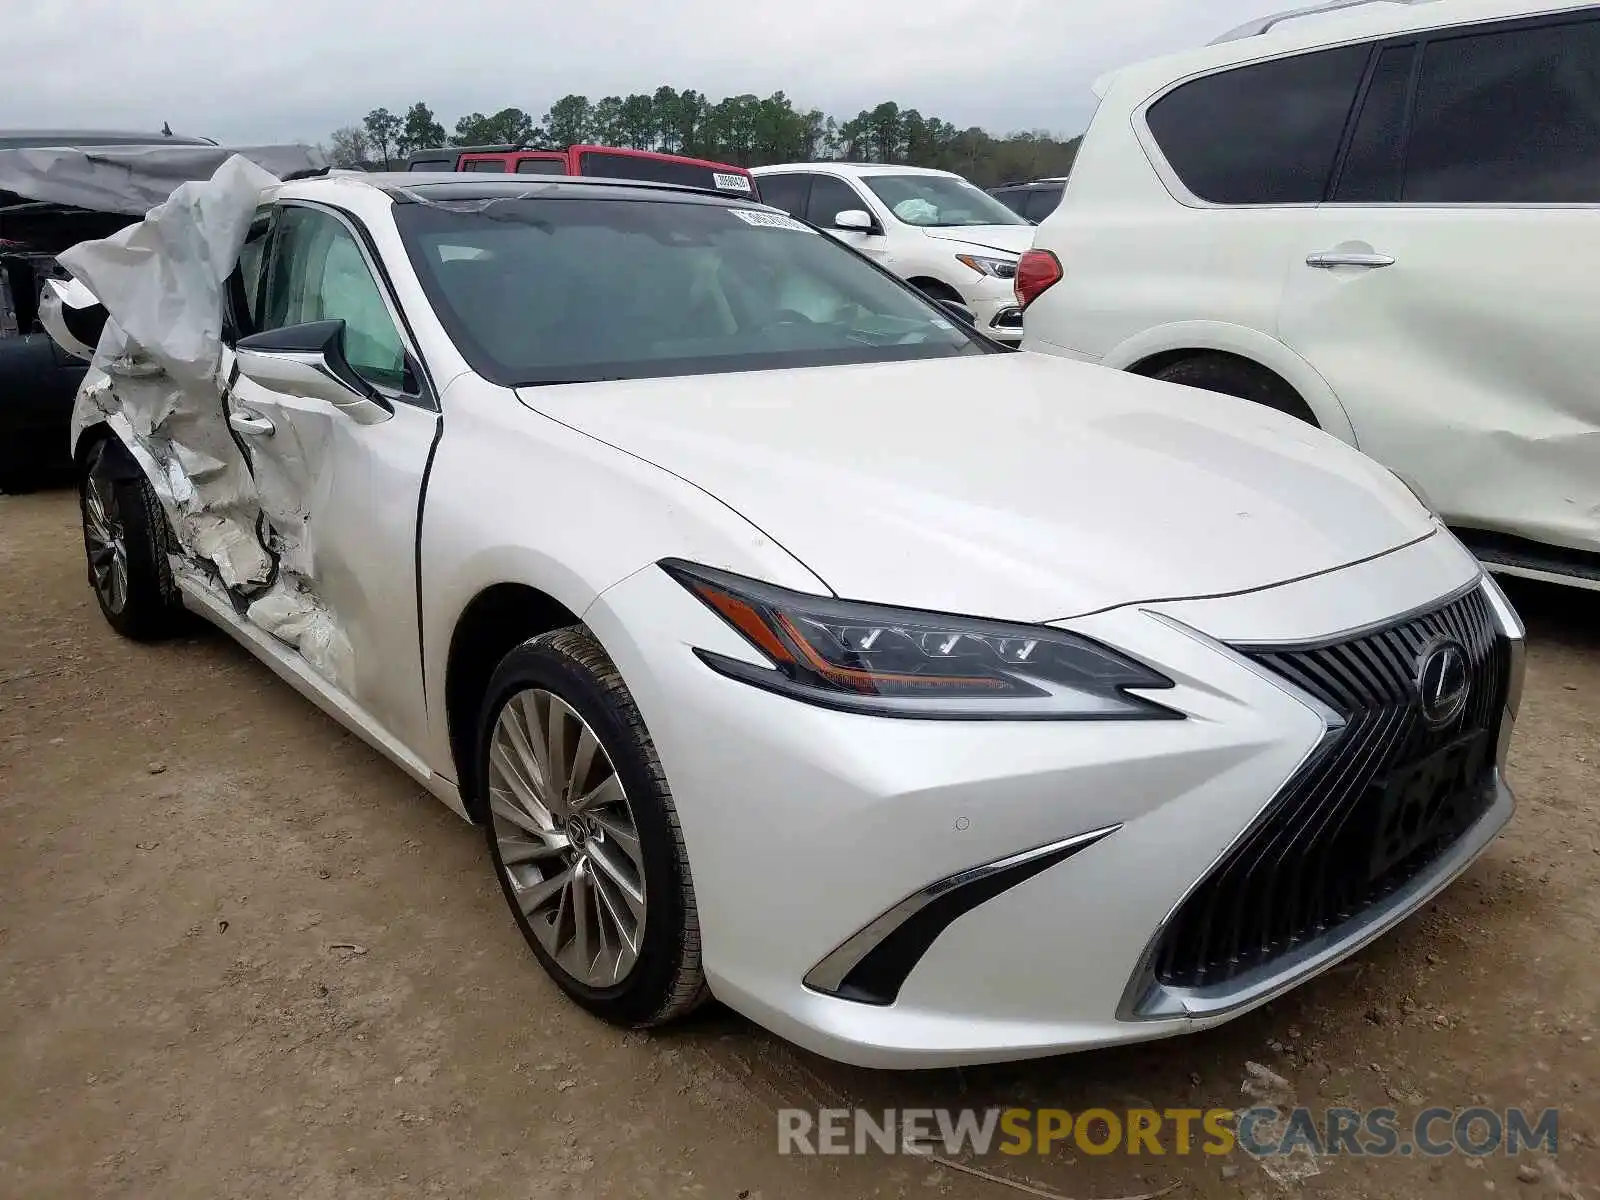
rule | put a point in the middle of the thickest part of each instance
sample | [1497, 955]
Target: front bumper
[998, 315]
[805, 827]
[994, 303]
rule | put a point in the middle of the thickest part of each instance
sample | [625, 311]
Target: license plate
[1420, 802]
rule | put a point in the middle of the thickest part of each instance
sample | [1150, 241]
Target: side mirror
[856, 220]
[308, 361]
[959, 311]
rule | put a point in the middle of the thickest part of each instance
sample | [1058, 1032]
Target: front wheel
[583, 834]
[125, 541]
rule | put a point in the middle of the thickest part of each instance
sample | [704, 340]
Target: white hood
[1013, 239]
[1016, 486]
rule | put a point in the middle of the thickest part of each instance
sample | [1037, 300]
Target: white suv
[1383, 220]
[934, 229]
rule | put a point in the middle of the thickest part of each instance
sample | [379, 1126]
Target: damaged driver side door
[331, 405]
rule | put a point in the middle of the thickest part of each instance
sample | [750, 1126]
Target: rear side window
[1041, 203]
[664, 170]
[1262, 134]
[1013, 198]
[1508, 118]
[492, 165]
[1375, 166]
[541, 166]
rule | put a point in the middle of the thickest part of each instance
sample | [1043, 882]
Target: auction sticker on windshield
[770, 220]
[730, 183]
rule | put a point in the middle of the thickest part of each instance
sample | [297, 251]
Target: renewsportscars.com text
[1261, 1132]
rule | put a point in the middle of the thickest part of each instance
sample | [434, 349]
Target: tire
[125, 541]
[566, 675]
[1237, 377]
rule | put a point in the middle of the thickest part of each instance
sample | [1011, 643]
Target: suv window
[651, 169]
[1042, 201]
[541, 166]
[318, 274]
[831, 196]
[494, 165]
[787, 192]
[1013, 198]
[1511, 117]
[1262, 134]
[1375, 165]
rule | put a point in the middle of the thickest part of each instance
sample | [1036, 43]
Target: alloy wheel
[105, 539]
[566, 838]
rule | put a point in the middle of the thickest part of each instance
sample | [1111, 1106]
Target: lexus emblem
[1442, 683]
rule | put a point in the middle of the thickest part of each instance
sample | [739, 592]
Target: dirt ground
[242, 956]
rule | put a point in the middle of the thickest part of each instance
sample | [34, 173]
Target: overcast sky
[289, 70]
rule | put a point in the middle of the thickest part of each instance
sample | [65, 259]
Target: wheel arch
[1153, 349]
[497, 619]
[925, 282]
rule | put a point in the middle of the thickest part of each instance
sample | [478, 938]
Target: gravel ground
[241, 955]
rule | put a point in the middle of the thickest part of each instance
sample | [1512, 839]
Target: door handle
[253, 423]
[1348, 258]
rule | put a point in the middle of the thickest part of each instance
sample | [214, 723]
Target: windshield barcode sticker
[770, 220]
[730, 183]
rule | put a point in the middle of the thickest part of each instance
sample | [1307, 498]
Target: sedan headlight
[995, 268]
[898, 662]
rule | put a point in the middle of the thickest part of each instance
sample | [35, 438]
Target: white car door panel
[1466, 365]
[341, 496]
[1447, 292]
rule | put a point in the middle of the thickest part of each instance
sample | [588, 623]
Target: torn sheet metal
[159, 376]
[134, 179]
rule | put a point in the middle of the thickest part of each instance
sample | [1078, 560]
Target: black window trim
[1420, 39]
[427, 396]
[1353, 122]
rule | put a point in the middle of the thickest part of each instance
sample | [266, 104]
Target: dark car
[1032, 201]
[121, 174]
[604, 162]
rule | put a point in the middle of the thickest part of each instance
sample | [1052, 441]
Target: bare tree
[350, 147]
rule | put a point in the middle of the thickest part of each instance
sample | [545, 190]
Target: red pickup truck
[605, 162]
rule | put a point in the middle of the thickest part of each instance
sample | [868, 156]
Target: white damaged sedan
[926, 702]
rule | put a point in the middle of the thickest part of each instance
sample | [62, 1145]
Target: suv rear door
[1447, 289]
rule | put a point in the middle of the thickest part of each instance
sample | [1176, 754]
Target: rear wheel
[1237, 377]
[125, 540]
[583, 834]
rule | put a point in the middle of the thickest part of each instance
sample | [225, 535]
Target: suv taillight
[1036, 271]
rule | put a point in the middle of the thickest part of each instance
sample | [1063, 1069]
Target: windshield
[555, 290]
[939, 200]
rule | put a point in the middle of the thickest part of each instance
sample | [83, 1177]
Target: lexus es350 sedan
[791, 642]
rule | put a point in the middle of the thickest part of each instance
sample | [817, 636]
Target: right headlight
[984, 264]
[898, 662]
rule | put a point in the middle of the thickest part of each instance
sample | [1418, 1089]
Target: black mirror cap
[322, 338]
